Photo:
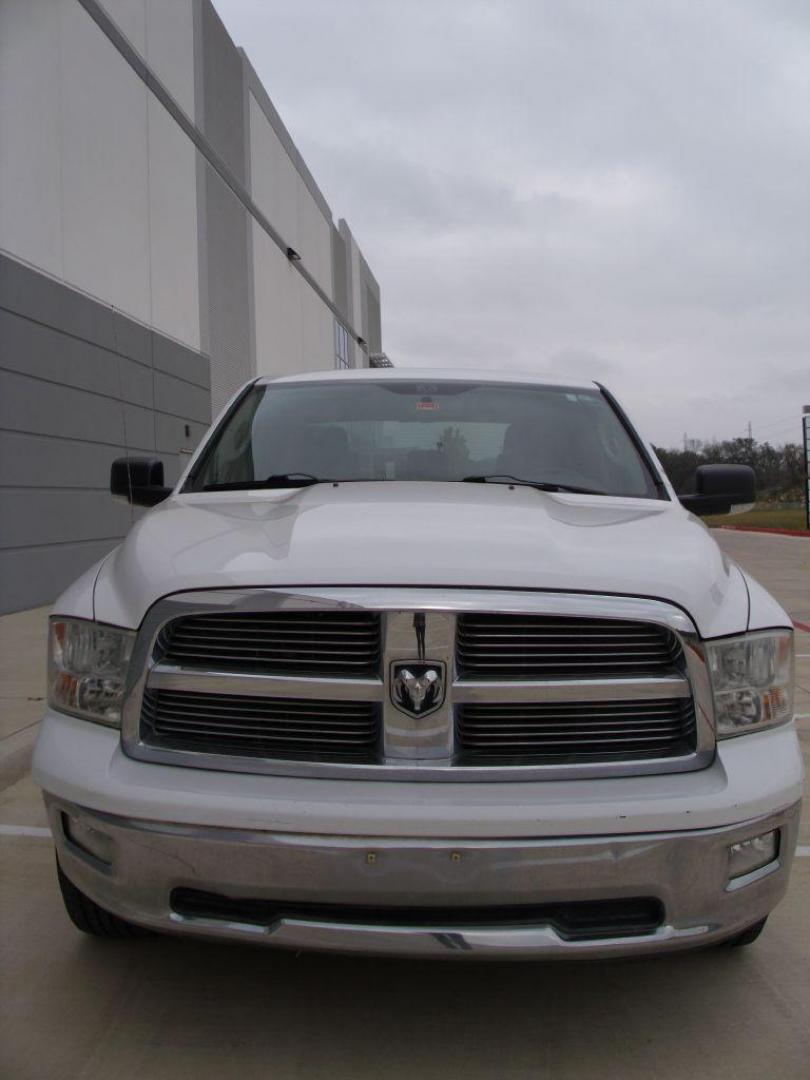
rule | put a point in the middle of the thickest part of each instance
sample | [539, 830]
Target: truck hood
[423, 534]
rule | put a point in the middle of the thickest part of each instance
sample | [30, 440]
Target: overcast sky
[616, 189]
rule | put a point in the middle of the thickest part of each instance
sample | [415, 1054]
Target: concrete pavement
[780, 563]
[23, 640]
[162, 1009]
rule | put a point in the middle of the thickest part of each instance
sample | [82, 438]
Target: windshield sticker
[426, 403]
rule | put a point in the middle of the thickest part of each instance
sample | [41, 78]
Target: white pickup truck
[425, 663]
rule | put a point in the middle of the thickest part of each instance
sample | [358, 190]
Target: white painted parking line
[23, 830]
[803, 851]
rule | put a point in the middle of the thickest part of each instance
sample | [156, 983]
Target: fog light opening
[91, 843]
[753, 854]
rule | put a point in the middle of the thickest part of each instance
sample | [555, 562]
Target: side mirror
[721, 489]
[138, 480]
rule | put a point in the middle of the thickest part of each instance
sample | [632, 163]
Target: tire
[749, 935]
[87, 916]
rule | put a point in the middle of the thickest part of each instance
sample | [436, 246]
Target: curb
[762, 529]
[16, 752]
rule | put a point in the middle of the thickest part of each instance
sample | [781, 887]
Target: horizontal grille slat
[263, 727]
[291, 643]
[546, 738]
[280, 661]
[577, 731]
[210, 726]
[595, 708]
[584, 731]
[571, 632]
[193, 712]
[543, 647]
[258, 723]
[568, 659]
[293, 741]
[293, 632]
[291, 624]
[287, 641]
[348, 633]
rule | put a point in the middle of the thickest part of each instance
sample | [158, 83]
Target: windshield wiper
[540, 485]
[277, 480]
[303, 480]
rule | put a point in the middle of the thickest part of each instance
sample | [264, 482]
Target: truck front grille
[503, 694]
[494, 646]
[266, 727]
[572, 732]
[345, 643]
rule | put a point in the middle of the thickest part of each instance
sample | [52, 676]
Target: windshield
[424, 430]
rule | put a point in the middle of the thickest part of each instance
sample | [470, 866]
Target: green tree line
[779, 469]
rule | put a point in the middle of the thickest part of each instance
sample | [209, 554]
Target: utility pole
[750, 436]
[806, 443]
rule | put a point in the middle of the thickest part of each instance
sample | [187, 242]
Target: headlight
[752, 680]
[87, 668]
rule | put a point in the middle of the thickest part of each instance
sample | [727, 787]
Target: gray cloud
[615, 190]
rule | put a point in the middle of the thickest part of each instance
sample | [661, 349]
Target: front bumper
[389, 845]
[133, 867]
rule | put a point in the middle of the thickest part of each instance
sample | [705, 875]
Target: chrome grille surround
[414, 748]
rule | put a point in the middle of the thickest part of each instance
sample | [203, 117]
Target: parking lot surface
[165, 1009]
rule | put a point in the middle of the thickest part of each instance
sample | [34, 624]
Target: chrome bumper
[131, 868]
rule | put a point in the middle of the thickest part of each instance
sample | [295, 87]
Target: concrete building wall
[284, 190]
[370, 314]
[277, 289]
[149, 193]
[362, 295]
[80, 384]
[97, 185]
